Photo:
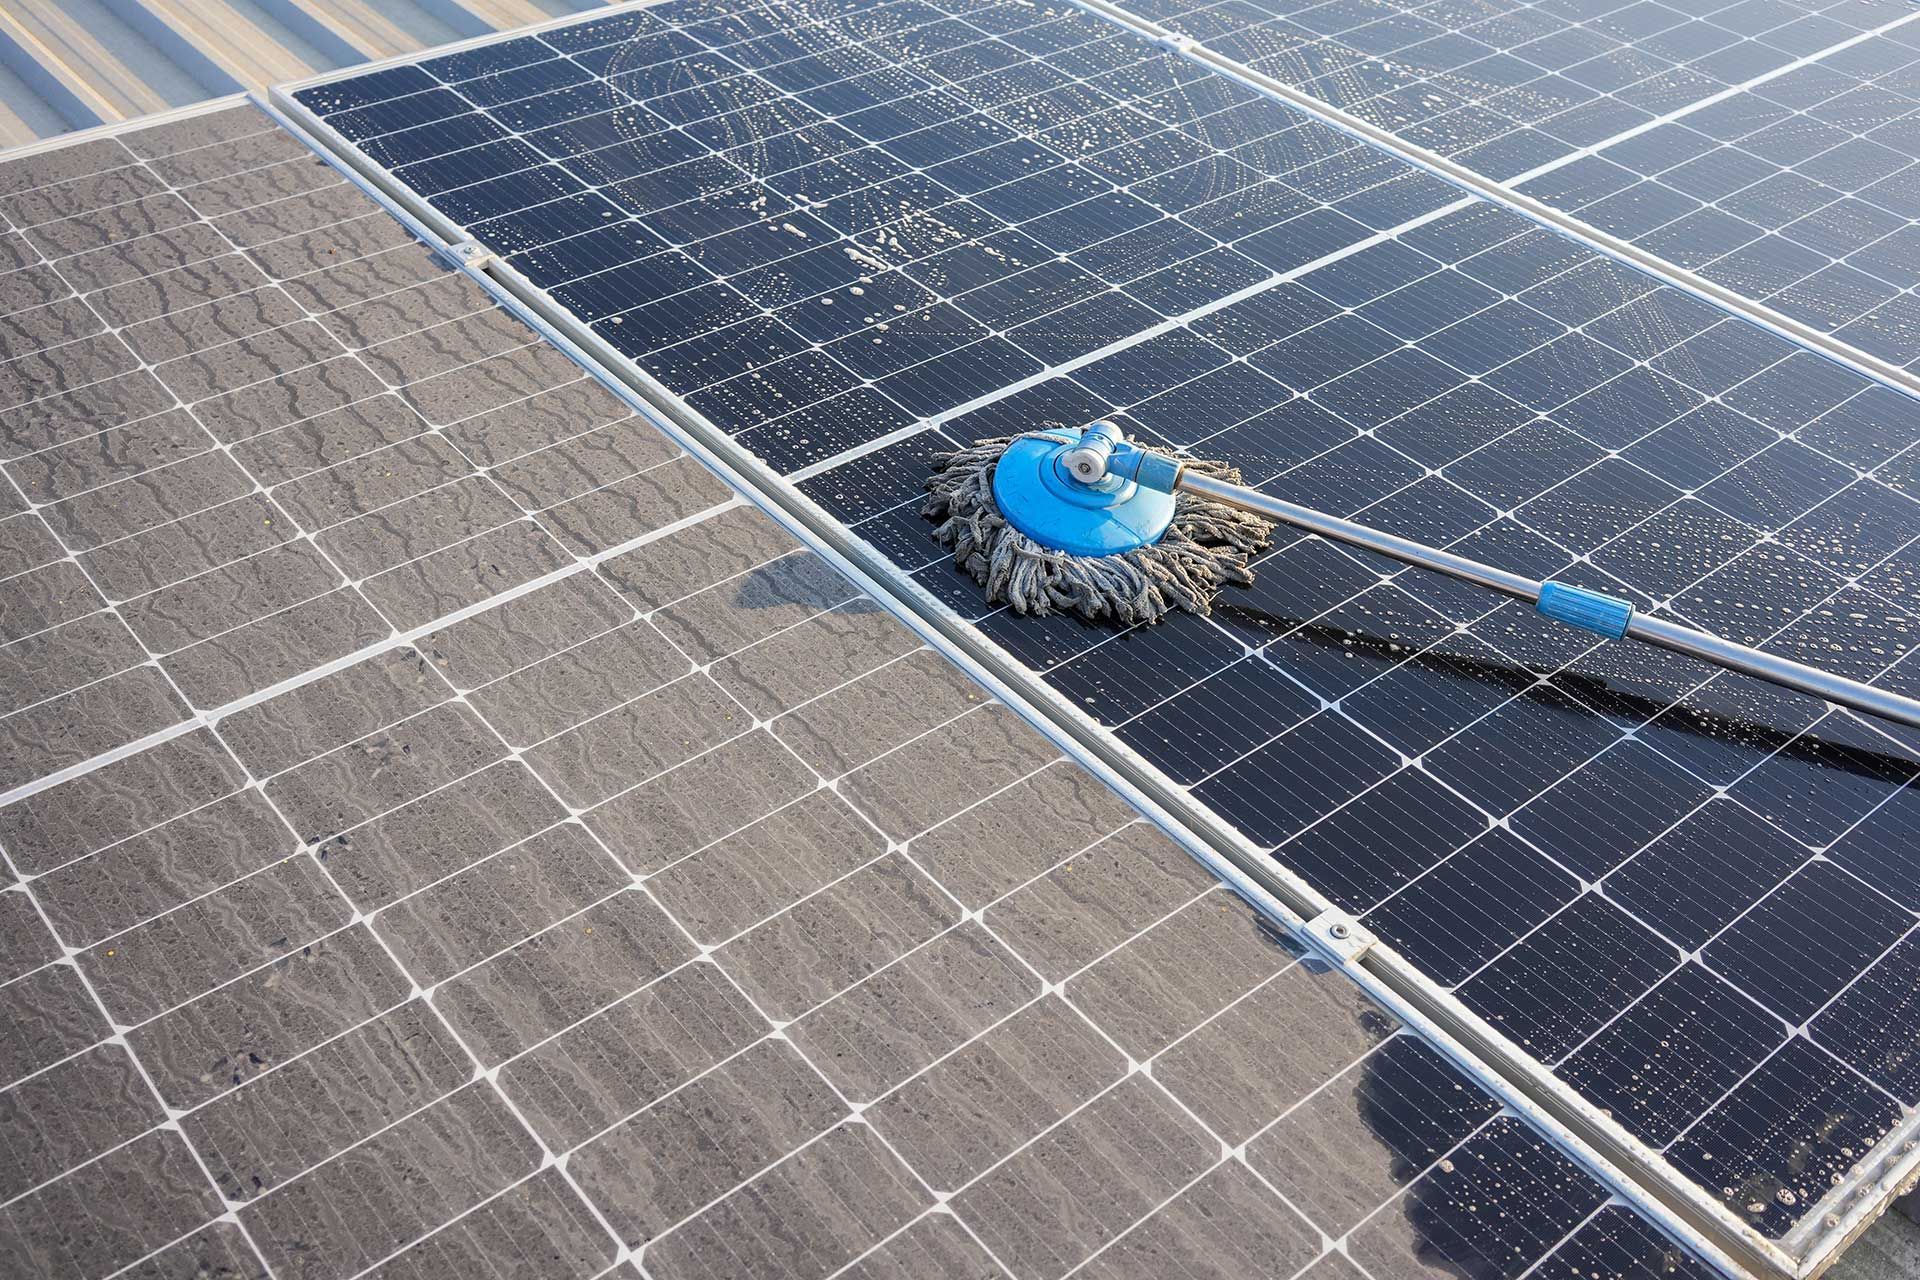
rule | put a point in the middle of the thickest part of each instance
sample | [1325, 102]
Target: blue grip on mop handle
[1589, 610]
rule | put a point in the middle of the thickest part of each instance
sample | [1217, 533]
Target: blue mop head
[1115, 551]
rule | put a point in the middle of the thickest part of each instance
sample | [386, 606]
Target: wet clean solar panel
[1772, 148]
[849, 234]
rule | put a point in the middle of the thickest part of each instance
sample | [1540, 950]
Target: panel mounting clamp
[1340, 935]
[471, 254]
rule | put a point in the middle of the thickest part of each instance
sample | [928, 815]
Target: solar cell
[847, 233]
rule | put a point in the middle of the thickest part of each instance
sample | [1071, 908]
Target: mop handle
[1592, 611]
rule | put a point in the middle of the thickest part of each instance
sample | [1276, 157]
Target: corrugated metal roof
[74, 64]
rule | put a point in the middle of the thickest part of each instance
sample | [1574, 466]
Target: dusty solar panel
[455, 872]
[824, 227]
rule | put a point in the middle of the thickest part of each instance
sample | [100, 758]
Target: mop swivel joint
[1088, 460]
[1079, 493]
[1104, 451]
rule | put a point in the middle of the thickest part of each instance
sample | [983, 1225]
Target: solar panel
[1800, 193]
[1771, 148]
[1508, 87]
[845, 234]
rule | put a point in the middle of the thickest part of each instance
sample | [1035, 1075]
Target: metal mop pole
[1576, 606]
[1103, 452]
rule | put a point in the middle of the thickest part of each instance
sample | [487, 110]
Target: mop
[1091, 524]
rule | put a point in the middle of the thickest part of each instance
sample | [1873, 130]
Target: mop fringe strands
[1205, 547]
